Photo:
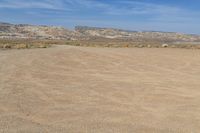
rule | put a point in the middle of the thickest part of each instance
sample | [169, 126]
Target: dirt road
[67, 89]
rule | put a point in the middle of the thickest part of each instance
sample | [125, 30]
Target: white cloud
[44, 4]
[125, 7]
[155, 12]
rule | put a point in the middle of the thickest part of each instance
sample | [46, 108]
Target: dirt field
[67, 89]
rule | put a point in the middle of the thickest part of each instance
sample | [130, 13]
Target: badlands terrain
[19, 36]
[25, 31]
[73, 89]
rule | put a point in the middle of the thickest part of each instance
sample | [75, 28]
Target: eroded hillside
[24, 31]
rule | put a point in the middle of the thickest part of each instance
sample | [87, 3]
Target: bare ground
[66, 89]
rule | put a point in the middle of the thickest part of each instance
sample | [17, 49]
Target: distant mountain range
[26, 31]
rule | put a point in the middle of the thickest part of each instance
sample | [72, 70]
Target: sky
[137, 15]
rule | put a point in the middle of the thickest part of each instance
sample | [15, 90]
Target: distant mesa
[26, 31]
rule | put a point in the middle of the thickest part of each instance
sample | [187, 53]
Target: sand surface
[66, 89]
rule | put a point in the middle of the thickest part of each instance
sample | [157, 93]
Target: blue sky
[158, 15]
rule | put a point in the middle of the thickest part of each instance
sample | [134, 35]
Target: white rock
[165, 45]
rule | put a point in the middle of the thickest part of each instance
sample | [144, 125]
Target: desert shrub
[7, 46]
[21, 46]
[126, 45]
[24, 43]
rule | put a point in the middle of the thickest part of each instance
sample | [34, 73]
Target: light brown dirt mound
[94, 90]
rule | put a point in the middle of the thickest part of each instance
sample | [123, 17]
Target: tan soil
[66, 89]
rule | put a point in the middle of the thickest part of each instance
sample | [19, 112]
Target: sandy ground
[66, 89]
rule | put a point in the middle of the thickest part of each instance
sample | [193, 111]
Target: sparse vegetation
[115, 43]
[24, 43]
